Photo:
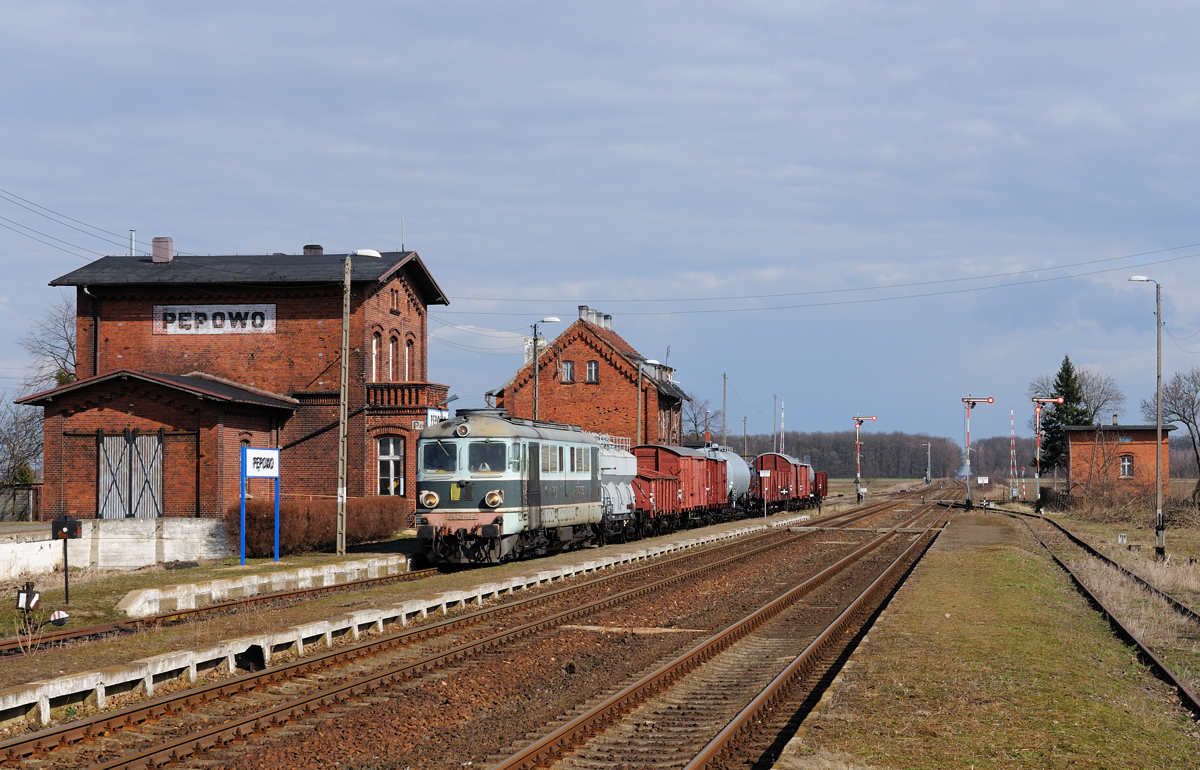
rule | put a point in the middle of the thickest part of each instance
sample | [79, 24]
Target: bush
[311, 525]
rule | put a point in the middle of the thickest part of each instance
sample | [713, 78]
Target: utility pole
[774, 422]
[969, 403]
[858, 421]
[1039, 404]
[724, 387]
[928, 461]
[546, 320]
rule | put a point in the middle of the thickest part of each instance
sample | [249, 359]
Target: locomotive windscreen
[440, 456]
[485, 457]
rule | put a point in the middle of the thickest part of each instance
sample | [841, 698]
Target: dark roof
[1117, 428]
[255, 269]
[205, 386]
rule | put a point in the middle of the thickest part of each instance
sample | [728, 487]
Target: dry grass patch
[988, 658]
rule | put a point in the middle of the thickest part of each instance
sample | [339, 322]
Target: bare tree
[20, 441]
[51, 342]
[1100, 392]
[1181, 403]
[697, 415]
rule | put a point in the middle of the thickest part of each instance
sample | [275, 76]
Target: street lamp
[970, 403]
[1160, 531]
[707, 414]
[342, 396]
[547, 320]
[858, 421]
[1037, 429]
[641, 364]
[928, 461]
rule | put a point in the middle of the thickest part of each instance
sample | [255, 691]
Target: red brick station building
[182, 360]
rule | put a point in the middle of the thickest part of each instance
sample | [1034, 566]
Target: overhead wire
[869, 300]
[879, 287]
[51, 245]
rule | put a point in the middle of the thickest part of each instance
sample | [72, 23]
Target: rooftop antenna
[401, 233]
[667, 358]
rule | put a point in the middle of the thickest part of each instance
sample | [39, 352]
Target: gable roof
[618, 344]
[199, 384]
[256, 269]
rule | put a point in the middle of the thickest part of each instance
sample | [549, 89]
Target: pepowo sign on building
[214, 319]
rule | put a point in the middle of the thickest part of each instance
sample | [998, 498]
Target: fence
[19, 502]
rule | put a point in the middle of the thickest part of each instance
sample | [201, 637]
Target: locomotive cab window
[439, 457]
[485, 457]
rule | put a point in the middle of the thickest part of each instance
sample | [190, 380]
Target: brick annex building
[1116, 461]
[185, 359]
[588, 376]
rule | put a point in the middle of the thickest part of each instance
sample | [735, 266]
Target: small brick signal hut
[588, 376]
[1116, 460]
[185, 359]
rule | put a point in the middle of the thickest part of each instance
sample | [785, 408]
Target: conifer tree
[1072, 411]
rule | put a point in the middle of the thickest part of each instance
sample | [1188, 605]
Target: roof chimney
[1114, 419]
[583, 312]
[162, 250]
[608, 322]
[314, 248]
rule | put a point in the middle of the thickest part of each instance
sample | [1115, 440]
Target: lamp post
[641, 364]
[970, 403]
[858, 421]
[1037, 429]
[1160, 530]
[707, 413]
[342, 396]
[547, 320]
[928, 461]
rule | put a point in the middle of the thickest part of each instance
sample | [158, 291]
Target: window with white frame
[1126, 466]
[593, 371]
[376, 338]
[568, 371]
[391, 465]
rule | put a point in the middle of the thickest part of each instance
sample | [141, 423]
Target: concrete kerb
[151, 601]
[38, 700]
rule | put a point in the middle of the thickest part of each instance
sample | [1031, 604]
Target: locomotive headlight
[429, 498]
[494, 498]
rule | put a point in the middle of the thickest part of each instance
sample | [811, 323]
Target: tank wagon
[491, 488]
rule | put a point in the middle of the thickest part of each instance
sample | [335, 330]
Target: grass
[95, 593]
[845, 487]
[988, 658]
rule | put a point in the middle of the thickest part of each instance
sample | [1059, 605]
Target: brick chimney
[162, 250]
[314, 248]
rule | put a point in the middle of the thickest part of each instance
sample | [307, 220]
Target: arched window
[391, 465]
[408, 362]
[1126, 466]
[375, 341]
[393, 344]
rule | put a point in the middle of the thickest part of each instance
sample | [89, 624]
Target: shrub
[311, 525]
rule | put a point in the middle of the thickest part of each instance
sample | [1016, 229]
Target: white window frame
[593, 372]
[568, 371]
[1126, 460]
[395, 463]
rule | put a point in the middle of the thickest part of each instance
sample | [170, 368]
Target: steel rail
[1177, 605]
[15, 646]
[261, 721]
[1186, 697]
[547, 749]
[110, 722]
[715, 753]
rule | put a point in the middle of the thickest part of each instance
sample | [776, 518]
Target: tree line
[884, 455]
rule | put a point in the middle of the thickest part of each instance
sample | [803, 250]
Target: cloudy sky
[871, 208]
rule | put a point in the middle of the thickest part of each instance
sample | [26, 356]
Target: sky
[863, 208]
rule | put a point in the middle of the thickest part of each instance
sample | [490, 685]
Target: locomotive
[492, 488]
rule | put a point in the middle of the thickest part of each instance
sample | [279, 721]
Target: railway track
[16, 646]
[1062, 539]
[362, 668]
[714, 705]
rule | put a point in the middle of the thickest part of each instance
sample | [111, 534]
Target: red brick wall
[302, 354]
[1095, 466]
[607, 406]
[71, 448]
